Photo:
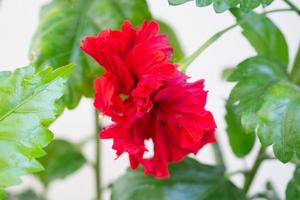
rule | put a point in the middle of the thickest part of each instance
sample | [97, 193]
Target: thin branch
[292, 6]
[186, 62]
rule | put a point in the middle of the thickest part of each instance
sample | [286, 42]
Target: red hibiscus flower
[148, 98]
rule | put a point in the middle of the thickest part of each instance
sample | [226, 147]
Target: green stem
[218, 154]
[97, 166]
[292, 6]
[186, 62]
[251, 174]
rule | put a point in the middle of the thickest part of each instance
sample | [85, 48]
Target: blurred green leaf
[279, 118]
[264, 36]
[295, 73]
[63, 158]
[27, 108]
[178, 51]
[223, 5]
[241, 142]
[189, 180]
[64, 24]
[293, 188]
[26, 195]
[254, 77]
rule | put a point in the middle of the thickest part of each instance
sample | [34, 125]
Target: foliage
[223, 5]
[189, 180]
[63, 158]
[28, 106]
[293, 188]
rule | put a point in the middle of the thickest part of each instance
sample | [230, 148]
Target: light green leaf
[223, 5]
[241, 142]
[28, 106]
[254, 77]
[295, 73]
[172, 37]
[293, 188]
[279, 118]
[64, 24]
[63, 158]
[189, 180]
[264, 36]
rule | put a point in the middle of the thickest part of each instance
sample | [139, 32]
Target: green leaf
[223, 5]
[64, 24]
[178, 2]
[172, 37]
[264, 36]
[63, 159]
[28, 106]
[295, 73]
[279, 118]
[293, 188]
[26, 195]
[254, 77]
[189, 180]
[241, 142]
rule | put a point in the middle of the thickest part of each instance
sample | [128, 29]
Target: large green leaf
[178, 51]
[223, 5]
[65, 23]
[28, 106]
[279, 118]
[293, 188]
[263, 35]
[189, 180]
[63, 158]
[254, 77]
[295, 73]
[241, 142]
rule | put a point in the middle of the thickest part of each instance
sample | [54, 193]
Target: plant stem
[249, 177]
[218, 154]
[97, 166]
[186, 62]
[292, 6]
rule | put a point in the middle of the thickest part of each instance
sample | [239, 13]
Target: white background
[19, 19]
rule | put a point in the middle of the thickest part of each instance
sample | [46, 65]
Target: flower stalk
[97, 166]
[249, 177]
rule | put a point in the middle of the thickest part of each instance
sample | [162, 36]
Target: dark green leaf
[28, 106]
[293, 188]
[63, 158]
[241, 142]
[223, 5]
[166, 29]
[26, 195]
[264, 36]
[189, 180]
[64, 24]
[254, 76]
[295, 73]
[279, 118]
